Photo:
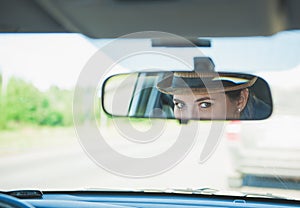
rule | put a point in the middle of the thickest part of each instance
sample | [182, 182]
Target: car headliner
[113, 18]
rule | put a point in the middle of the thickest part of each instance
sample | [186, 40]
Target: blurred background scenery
[23, 104]
[37, 79]
[38, 74]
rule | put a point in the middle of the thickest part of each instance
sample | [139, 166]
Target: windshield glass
[42, 147]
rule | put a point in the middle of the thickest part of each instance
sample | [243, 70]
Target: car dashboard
[121, 199]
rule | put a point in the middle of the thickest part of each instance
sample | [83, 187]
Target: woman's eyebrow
[204, 98]
[177, 100]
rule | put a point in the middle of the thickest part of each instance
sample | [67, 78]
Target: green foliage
[25, 104]
[2, 117]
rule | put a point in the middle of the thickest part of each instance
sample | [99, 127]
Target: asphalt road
[67, 166]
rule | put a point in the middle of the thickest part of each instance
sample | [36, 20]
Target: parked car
[270, 155]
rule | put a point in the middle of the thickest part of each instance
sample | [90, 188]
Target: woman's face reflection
[205, 106]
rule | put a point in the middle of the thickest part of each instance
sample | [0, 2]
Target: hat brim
[165, 86]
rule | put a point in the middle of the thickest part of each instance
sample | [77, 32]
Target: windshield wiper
[267, 195]
[201, 191]
[216, 192]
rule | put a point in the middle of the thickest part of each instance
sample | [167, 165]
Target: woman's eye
[205, 105]
[179, 105]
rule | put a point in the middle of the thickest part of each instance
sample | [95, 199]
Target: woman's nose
[195, 112]
[192, 113]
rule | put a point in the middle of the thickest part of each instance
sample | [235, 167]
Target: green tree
[25, 104]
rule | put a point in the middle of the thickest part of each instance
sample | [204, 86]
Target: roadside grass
[27, 138]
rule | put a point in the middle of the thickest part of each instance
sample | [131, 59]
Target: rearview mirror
[187, 96]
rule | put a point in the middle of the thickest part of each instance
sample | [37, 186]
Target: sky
[45, 59]
[57, 59]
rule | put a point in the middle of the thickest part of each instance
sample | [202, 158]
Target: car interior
[263, 149]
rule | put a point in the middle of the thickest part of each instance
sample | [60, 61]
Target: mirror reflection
[188, 96]
[201, 94]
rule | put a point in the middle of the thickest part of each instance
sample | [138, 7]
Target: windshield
[42, 147]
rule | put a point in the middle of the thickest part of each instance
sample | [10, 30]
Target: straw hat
[204, 80]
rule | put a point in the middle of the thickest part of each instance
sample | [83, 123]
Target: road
[65, 165]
